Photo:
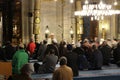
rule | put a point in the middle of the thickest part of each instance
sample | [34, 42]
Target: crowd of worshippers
[84, 55]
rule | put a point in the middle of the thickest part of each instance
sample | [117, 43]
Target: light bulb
[71, 1]
[102, 17]
[86, 2]
[115, 3]
[91, 18]
[55, 0]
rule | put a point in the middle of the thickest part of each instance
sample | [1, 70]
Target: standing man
[19, 59]
[31, 47]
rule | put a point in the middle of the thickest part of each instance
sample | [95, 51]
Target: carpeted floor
[99, 78]
[111, 72]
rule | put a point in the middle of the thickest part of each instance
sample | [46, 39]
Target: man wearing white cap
[52, 38]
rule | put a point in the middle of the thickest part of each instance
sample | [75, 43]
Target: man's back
[19, 59]
[63, 73]
[49, 62]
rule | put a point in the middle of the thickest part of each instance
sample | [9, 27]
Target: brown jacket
[63, 73]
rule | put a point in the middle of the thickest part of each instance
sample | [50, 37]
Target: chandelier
[97, 11]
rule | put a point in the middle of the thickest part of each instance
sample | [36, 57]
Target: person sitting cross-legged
[25, 74]
[19, 59]
[64, 72]
[48, 65]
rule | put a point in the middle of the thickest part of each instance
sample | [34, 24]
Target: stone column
[63, 4]
[79, 20]
[36, 27]
[31, 17]
[117, 23]
[25, 27]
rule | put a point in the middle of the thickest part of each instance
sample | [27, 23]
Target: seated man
[49, 63]
[19, 59]
[63, 72]
[25, 74]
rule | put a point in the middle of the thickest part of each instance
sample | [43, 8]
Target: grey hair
[27, 68]
[63, 60]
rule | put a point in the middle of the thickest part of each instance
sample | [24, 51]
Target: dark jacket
[98, 59]
[54, 47]
[48, 66]
[9, 51]
[72, 59]
[116, 55]
[106, 52]
[50, 62]
[82, 60]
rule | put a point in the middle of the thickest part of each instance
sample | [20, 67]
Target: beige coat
[63, 73]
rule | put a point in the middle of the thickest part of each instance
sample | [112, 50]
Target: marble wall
[59, 17]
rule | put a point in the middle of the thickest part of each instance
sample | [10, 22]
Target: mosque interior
[21, 20]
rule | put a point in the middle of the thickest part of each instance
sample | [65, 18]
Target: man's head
[44, 41]
[63, 61]
[27, 69]
[69, 47]
[52, 51]
[21, 46]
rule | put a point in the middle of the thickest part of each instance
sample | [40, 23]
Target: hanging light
[115, 3]
[97, 11]
[86, 2]
[71, 1]
[101, 2]
[92, 18]
[102, 17]
[71, 32]
[47, 32]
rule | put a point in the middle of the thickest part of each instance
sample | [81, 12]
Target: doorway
[12, 29]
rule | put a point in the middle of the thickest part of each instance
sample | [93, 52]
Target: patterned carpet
[111, 72]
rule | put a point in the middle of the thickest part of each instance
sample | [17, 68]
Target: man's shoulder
[64, 67]
[52, 57]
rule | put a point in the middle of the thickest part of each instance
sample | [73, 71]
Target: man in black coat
[116, 54]
[106, 52]
[72, 58]
[53, 46]
[9, 50]
[97, 58]
[83, 63]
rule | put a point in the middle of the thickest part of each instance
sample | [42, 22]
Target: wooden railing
[5, 70]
